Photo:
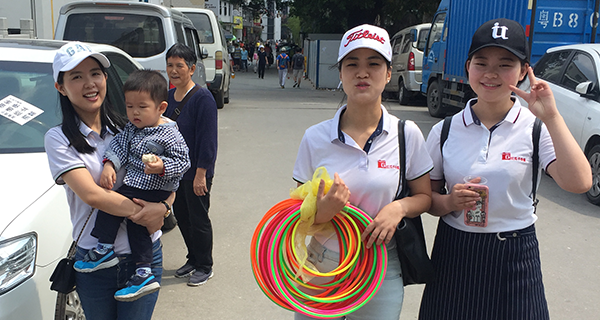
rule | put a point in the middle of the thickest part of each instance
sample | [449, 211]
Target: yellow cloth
[308, 193]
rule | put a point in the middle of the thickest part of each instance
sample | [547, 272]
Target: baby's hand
[108, 176]
[154, 167]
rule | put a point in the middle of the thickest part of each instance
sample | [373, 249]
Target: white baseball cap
[71, 54]
[366, 36]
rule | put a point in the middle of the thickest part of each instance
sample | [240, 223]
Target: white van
[145, 31]
[212, 38]
[407, 62]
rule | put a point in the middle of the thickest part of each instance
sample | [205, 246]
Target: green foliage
[337, 16]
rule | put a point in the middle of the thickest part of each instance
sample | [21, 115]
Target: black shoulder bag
[63, 276]
[410, 238]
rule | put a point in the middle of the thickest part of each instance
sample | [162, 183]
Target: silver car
[35, 229]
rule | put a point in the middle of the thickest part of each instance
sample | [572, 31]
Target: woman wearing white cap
[487, 261]
[360, 146]
[75, 150]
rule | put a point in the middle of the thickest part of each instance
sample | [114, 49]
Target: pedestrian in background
[262, 61]
[298, 67]
[75, 149]
[362, 134]
[244, 56]
[283, 63]
[197, 123]
[492, 270]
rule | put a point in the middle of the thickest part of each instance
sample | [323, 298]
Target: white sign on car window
[18, 110]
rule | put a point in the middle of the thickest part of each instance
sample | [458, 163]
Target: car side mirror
[585, 88]
[204, 53]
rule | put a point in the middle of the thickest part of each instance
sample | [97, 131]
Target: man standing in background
[283, 62]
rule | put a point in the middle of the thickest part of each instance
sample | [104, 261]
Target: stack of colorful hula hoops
[275, 264]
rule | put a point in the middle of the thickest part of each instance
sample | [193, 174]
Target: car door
[573, 107]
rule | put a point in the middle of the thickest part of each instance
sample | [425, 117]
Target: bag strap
[181, 104]
[73, 247]
[445, 132]
[403, 184]
[535, 136]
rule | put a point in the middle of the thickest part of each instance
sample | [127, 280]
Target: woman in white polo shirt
[75, 150]
[360, 147]
[492, 270]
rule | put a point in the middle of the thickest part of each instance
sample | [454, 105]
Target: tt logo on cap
[78, 48]
[499, 31]
[363, 34]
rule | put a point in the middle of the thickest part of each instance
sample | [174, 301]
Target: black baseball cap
[503, 33]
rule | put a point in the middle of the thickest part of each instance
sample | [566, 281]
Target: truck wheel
[434, 100]
[404, 96]
[219, 98]
[68, 306]
[594, 158]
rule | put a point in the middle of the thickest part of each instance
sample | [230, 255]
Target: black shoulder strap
[181, 104]
[444, 134]
[403, 184]
[537, 128]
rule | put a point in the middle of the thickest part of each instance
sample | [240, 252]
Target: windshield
[202, 24]
[30, 82]
[141, 36]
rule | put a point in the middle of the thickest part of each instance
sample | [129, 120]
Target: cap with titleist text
[503, 33]
[366, 36]
[71, 54]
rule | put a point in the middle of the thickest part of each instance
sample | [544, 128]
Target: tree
[337, 16]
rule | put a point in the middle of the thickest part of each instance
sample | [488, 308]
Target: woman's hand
[540, 98]
[462, 198]
[151, 216]
[199, 184]
[330, 204]
[382, 229]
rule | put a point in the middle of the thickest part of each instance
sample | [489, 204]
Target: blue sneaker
[137, 287]
[95, 261]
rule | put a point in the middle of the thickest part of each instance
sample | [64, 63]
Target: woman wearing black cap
[487, 261]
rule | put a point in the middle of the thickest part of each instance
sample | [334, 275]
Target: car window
[139, 35]
[436, 30]
[397, 44]
[192, 40]
[122, 65]
[202, 23]
[580, 69]
[422, 39]
[550, 66]
[33, 83]
[179, 32]
[406, 43]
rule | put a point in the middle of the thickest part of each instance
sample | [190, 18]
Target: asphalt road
[259, 133]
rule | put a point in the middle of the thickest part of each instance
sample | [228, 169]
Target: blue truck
[547, 23]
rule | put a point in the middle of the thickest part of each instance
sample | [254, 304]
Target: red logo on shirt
[508, 156]
[383, 165]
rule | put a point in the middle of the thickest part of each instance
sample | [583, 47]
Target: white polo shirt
[372, 177]
[63, 158]
[503, 156]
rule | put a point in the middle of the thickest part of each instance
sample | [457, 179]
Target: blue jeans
[386, 304]
[96, 289]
